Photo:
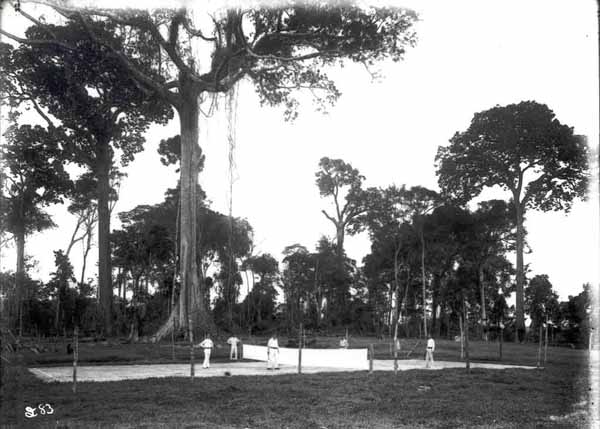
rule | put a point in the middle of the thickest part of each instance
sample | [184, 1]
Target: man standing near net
[429, 353]
[207, 345]
[273, 353]
[233, 351]
[344, 343]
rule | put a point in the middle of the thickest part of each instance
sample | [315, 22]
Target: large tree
[391, 242]
[492, 236]
[298, 278]
[342, 184]
[97, 104]
[33, 177]
[541, 301]
[280, 49]
[421, 201]
[523, 149]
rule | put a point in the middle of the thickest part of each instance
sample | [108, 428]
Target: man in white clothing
[207, 345]
[273, 353]
[233, 351]
[429, 353]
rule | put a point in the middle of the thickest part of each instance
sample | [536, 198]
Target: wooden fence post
[462, 336]
[539, 357]
[395, 356]
[501, 336]
[75, 357]
[20, 395]
[173, 344]
[546, 344]
[466, 329]
[300, 350]
[192, 357]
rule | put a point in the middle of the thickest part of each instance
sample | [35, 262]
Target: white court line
[44, 374]
[103, 373]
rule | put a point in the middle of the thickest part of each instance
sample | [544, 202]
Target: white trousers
[428, 358]
[233, 352]
[273, 358]
[206, 363]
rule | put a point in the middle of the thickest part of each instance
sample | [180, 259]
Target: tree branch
[196, 33]
[329, 217]
[332, 53]
[137, 74]
[36, 42]
[38, 109]
[37, 22]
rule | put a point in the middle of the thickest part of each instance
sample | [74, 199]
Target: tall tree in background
[523, 149]
[33, 177]
[493, 237]
[231, 238]
[97, 103]
[386, 220]
[338, 180]
[261, 298]
[577, 316]
[421, 201]
[342, 183]
[297, 282]
[279, 49]
[541, 301]
[59, 283]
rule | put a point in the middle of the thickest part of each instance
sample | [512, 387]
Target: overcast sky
[470, 56]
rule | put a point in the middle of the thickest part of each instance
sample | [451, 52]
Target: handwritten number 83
[42, 409]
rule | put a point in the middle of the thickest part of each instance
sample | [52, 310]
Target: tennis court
[103, 373]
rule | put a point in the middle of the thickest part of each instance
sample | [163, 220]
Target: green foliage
[291, 45]
[521, 148]
[298, 283]
[34, 177]
[541, 301]
[88, 90]
[343, 184]
[504, 145]
[574, 315]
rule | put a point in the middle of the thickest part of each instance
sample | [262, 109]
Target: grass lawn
[416, 398]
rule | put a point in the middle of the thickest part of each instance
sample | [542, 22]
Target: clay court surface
[132, 372]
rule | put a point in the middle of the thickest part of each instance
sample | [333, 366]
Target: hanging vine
[231, 114]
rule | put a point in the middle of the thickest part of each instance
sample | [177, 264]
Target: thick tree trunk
[192, 310]
[105, 292]
[423, 280]
[405, 301]
[462, 336]
[466, 328]
[520, 322]
[191, 300]
[484, 333]
[342, 287]
[318, 297]
[119, 282]
[20, 276]
[434, 303]
[85, 255]
[57, 313]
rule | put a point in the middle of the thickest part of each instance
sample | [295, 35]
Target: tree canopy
[524, 149]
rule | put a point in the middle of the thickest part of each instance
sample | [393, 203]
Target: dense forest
[439, 260]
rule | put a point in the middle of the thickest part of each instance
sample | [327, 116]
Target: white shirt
[207, 344]
[233, 341]
[273, 343]
[431, 344]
